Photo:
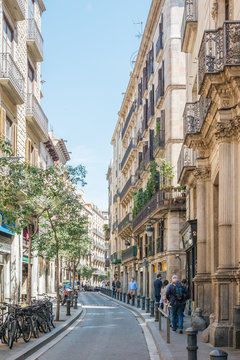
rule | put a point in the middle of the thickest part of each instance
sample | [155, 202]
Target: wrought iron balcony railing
[127, 220]
[35, 111]
[131, 146]
[159, 141]
[219, 48]
[159, 93]
[129, 253]
[195, 114]
[115, 259]
[35, 40]
[131, 112]
[115, 225]
[148, 156]
[187, 159]
[189, 18]
[127, 186]
[12, 79]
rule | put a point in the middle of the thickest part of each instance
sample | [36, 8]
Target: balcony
[11, 79]
[148, 156]
[115, 259]
[127, 187]
[17, 9]
[159, 142]
[115, 225]
[130, 114]
[127, 154]
[129, 254]
[159, 48]
[186, 162]
[36, 117]
[150, 112]
[148, 209]
[159, 94]
[125, 224]
[194, 115]
[219, 49]
[35, 41]
[189, 25]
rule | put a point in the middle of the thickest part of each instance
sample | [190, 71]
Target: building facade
[147, 208]
[209, 162]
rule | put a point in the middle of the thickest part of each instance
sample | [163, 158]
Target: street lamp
[149, 230]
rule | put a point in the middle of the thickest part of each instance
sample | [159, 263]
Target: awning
[3, 227]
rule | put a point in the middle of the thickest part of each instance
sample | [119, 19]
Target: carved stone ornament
[200, 147]
[227, 130]
[214, 11]
[202, 173]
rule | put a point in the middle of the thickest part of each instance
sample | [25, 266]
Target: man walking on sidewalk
[177, 294]
[157, 288]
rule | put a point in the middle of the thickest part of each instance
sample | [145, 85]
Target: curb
[160, 344]
[23, 354]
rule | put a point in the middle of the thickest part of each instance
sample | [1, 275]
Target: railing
[113, 256]
[129, 253]
[34, 34]
[131, 111]
[150, 112]
[195, 114]
[127, 220]
[151, 206]
[34, 109]
[129, 183]
[189, 15]
[159, 92]
[98, 232]
[115, 259]
[9, 69]
[159, 141]
[219, 48]
[148, 156]
[159, 44]
[131, 146]
[187, 158]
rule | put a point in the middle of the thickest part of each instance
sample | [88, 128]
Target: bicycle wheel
[35, 330]
[26, 329]
[53, 321]
[42, 325]
[12, 328]
[4, 333]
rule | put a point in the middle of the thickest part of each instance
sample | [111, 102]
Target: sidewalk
[177, 348]
[22, 350]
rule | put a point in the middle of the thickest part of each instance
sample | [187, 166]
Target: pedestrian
[157, 287]
[118, 285]
[114, 286]
[176, 294]
[163, 300]
[132, 288]
[184, 282]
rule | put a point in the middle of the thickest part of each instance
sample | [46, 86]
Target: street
[107, 332]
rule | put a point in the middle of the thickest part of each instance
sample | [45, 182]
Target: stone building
[147, 207]
[209, 161]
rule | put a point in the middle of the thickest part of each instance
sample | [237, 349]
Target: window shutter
[35, 157]
[15, 131]
[2, 122]
[28, 150]
[162, 125]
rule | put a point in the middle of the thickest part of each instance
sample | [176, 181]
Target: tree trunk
[57, 285]
[29, 275]
[74, 273]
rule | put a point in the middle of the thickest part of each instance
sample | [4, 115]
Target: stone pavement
[176, 350]
[21, 349]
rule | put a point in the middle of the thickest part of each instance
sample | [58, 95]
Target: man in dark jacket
[177, 295]
[158, 287]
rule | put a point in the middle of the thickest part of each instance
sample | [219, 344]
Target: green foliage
[103, 277]
[86, 272]
[166, 171]
[140, 198]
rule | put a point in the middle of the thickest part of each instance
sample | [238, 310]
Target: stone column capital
[227, 131]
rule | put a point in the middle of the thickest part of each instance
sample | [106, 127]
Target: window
[8, 130]
[30, 83]
[7, 38]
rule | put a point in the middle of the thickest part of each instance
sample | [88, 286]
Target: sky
[88, 47]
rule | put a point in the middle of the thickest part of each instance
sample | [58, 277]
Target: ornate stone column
[202, 279]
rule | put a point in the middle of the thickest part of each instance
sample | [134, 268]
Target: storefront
[189, 239]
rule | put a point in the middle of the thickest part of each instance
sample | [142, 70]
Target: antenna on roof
[140, 33]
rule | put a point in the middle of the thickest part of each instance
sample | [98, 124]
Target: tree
[86, 271]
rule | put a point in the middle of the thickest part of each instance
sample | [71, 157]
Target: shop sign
[25, 259]
[189, 234]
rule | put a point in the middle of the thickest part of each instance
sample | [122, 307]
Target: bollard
[192, 343]
[138, 301]
[120, 296]
[124, 297]
[133, 300]
[147, 305]
[156, 311]
[75, 301]
[117, 295]
[143, 302]
[68, 306]
[128, 299]
[218, 354]
[152, 307]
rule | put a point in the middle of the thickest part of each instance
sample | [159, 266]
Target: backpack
[118, 284]
[179, 292]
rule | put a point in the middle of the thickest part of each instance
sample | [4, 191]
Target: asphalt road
[107, 332]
